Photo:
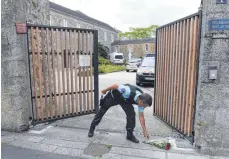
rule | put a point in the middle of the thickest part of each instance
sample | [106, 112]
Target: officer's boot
[131, 137]
[91, 131]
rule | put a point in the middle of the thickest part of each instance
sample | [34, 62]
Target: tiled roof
[133, 41]
[80, 15]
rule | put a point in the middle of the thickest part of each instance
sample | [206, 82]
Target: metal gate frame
[93, 63]
[190, 137]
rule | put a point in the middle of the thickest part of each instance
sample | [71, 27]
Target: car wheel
[127, 70]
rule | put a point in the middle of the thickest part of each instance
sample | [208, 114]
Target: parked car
[133, 65]
[146, 72]
[117, 58]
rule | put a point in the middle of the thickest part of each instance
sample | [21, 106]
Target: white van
[117, 58]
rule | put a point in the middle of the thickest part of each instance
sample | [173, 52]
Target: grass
[104, 61]
[97, 157]
[4, 142]
[108, 146]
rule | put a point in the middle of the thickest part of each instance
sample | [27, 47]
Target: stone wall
[212, 106]
[57, 19]
[16, 94]
[138, 50]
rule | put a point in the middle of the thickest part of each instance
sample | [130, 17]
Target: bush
[110, 68]
[105, 66]
[103, 61]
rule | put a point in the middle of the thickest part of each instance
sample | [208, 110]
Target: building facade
[137, 47]
[62, 16]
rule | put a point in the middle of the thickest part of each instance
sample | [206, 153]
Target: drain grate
[95, 149]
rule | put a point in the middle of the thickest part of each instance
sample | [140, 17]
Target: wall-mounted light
[212, 73]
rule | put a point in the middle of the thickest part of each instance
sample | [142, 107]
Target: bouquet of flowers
[161, 144]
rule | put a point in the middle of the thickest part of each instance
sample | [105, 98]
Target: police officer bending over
[124, 95]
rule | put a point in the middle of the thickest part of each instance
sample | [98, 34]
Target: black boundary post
[155, 75]
[197, 73]
[96, 72]
[30, 80]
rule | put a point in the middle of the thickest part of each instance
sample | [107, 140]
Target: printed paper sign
[84, 60]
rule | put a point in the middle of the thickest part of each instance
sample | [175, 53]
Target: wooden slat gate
[64, 71]
[176, 64]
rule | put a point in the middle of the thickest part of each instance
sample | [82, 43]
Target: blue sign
[219, 25]
[221, 1]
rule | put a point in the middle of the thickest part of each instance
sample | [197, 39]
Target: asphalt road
[12, 152]
[123, 77]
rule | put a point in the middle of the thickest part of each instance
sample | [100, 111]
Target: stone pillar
[212, 105]
[16, 95]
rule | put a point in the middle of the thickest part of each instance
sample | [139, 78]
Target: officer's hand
[103, 91]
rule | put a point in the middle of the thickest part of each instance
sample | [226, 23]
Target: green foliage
[111, 68]
[105, 66]
[108, 146]
[160, 144]
[201, 123]
[139, 33]
[34, 3]
[104, 61]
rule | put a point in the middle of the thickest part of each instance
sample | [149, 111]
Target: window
[105, 35]
[65, 23]
[116, 49]
[147, 48]
[148, 62]
[150, 55]
[118, 57]
[112, 37]
[50, 20]
[78, 25]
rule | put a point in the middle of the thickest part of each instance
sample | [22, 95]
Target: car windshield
[150, 55]
[148, 62]
[118, 57]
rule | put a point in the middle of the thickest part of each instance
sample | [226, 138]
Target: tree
[103, 51]
[139, 33]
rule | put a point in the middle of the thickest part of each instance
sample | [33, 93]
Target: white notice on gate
[84, 60]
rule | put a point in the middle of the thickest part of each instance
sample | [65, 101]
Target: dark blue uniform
[125, 96]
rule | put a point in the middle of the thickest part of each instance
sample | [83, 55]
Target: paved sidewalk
[74, 142]
[12, 152]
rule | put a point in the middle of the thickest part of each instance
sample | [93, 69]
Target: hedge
[110, 68]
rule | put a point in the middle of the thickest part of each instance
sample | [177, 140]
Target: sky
[123, 14]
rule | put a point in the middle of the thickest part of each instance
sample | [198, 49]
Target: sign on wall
[221, 1]
[219, 25]
[84, 60]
